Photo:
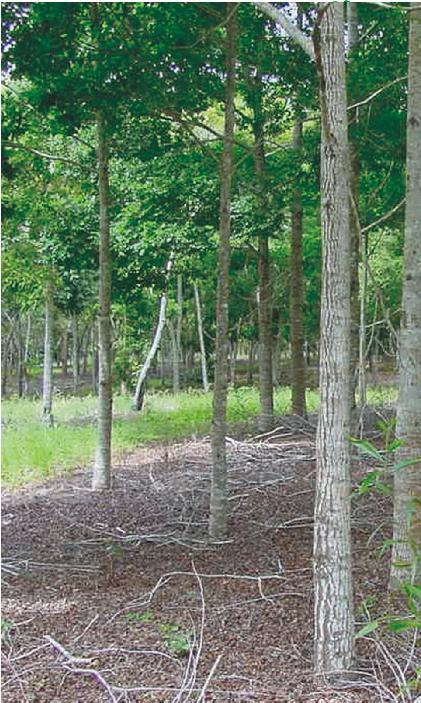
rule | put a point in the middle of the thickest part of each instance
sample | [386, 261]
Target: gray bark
[26, 354]
[219, 498]
[174, 358]
[407, 482]
[65, 350]
[94, 360]
[47, 381]
[205, 381]
[179, 324]
[265, 418]
[101, 479]
[298, 371]
[334, 629]
[75, 353]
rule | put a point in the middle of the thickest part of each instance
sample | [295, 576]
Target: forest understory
[121, 597]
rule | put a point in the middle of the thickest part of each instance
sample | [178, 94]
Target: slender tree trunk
[233, 361]
[140, 385]
[75, 353]
[332, 534]
[219, 498]
[250, 367]
[179, 325]
[101, 479]
[265, 418]
[47, 384]
[205, 381]
[94, 360]
[65, 351]
[26, 354]
[19, 356]
[175, 358]
[5, 365]
[298, 372]
[407, 489]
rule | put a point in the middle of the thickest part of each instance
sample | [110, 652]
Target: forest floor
[119, 596]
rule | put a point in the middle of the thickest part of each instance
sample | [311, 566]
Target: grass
[31, 452]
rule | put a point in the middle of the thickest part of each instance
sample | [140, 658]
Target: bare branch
[289, 27]
[384, 217]
[42, 154]
[377, 92]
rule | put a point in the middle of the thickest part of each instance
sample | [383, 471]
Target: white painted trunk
[332, 534]
[407, 488]
[138, 395]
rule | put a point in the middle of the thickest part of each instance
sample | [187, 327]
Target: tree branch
[42, 154]
[384, 217]
[377, 92]
[289, 27]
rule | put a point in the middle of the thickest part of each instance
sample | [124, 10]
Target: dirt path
[143, 607]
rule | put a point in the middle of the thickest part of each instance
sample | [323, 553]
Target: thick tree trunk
[75, 353]
[140, 385]
[357, 300]
[407, 489]
[219, 498]
[47, 382]
[298, 372]
[205, 381]
[332, 534]
[101, 479]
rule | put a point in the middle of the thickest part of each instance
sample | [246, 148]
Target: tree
[219, 498]
[332, 528]
[407, 483]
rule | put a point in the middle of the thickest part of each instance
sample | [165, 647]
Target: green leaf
[367, 447]
[368, 627]
[401, 625]
[406, 462]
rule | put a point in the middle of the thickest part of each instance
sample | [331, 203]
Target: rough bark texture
[140, 385]
[205, 381]
[332, 534]
[357, 303]
[47, 382]
[298, 372]
[407, 489]
[102, 469]
[219, 498]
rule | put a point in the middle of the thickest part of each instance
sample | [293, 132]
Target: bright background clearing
[31, 452]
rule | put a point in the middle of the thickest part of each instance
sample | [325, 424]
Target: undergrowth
[31, 452]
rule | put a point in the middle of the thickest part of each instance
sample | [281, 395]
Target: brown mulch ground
[103, 592]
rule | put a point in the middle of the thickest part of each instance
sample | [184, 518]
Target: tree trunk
[357, 299]
[250, 366]
[298, 372]
[65, 351]
[26, 354]
[175, 358]
[94, 361]
[334, 629]
[47, 383]
[205, 381]
[233, 362]
[5, 347]
[179, 322]
[219, 498]
[140, 385]
[19, 356]
[407, 488]
[101, 479]
[265, 418]
[75, 353]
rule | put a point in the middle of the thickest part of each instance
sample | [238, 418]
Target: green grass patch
[32, 452]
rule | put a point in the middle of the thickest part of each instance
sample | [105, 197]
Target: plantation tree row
[166, 168]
